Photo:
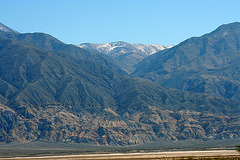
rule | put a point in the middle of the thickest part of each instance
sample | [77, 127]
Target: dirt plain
[213, 154]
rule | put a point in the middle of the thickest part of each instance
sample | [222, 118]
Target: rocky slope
[127, 54]
[206, 64]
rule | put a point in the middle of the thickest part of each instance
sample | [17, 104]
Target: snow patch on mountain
[6, 29]
[120, 48]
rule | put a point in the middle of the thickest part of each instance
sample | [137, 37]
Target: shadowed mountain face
[127, 54]
[207, 64]
[57, 97]
[45, 76]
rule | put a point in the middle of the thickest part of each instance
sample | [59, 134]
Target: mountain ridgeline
[57, 92]
[48, 42]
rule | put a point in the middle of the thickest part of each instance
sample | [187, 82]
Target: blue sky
[164, 22]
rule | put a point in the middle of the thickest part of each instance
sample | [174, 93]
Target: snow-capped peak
[119, 48]
[6, 29]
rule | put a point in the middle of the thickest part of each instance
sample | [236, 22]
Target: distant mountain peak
[230, 25]
[127, 54]
[6, 29]
[122, 47]
[226, 27]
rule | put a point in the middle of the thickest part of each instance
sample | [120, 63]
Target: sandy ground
[122, 156]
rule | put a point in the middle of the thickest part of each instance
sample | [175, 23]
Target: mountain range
[58, 92]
